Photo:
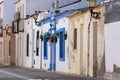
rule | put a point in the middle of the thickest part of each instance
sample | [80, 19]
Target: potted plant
[41, 37]
[52, 38]
[65, 36]
[48, 36]
[57, 34]
[55, 38]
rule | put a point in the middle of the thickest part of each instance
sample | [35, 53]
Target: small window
[45, 47]
[75, 38]
[62, 44]
[27, 44]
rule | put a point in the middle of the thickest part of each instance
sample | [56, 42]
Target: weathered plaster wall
[79, 57]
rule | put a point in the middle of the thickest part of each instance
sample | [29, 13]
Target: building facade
[112, 37]
[86, 49]
[55, 56]
[1, 51]
[6, 16]
[32, 43]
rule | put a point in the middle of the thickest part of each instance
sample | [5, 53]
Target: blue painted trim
[45, 21]
[62, 15]
[50, 51]
[45, 53]
[63, 47]
[55, 47]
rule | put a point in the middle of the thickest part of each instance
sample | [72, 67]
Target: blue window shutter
[62, 44]
[45, 48]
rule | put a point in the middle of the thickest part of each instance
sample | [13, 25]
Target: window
[15, 27]
[27, 44]
[62, 44]
[45, 47]
[75, 38]
[9, 48]
[37, 44]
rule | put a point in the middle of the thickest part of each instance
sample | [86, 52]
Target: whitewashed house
[25, 8]
[32, 43]
[112, 37]
[54, 52]
[55, 55]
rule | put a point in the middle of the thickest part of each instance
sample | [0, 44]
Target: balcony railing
[18, 23]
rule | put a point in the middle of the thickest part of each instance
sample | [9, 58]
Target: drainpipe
[41, 51]
[53, 27]
[54, 45]
[88, 55]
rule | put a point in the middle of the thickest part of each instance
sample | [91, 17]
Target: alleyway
[17, 73]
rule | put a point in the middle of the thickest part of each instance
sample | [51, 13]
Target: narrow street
[17, 73]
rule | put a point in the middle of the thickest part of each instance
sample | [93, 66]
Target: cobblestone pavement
[17, 73]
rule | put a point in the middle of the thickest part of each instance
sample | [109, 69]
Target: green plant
[57, 34]
[48, 36]
[65, 36]
[41, 37]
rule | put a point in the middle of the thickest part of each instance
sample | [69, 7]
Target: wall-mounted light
[92, 5]
[35, 16]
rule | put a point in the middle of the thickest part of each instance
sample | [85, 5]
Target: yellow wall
[79, 57]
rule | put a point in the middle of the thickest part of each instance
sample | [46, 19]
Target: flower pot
[65, 36]
[41, 37]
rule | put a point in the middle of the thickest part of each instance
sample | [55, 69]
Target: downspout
[53, 27]
[54, 45]
[88, 55]
[51, 44]
[41, 50]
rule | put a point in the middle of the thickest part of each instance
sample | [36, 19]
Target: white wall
[1, 10]
[46, 63]
[112, 45]
[28, 30]
[36, 58]
[61, 66]
[29, 27]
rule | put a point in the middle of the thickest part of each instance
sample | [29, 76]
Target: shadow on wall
[112, 11]
[101, 71]
[116, 69]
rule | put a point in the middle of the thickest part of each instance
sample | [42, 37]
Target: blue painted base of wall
[50, 67]
[54, 67]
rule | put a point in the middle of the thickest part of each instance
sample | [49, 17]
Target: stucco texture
[80, 62]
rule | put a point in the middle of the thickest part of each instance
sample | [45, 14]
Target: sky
[1, 0]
